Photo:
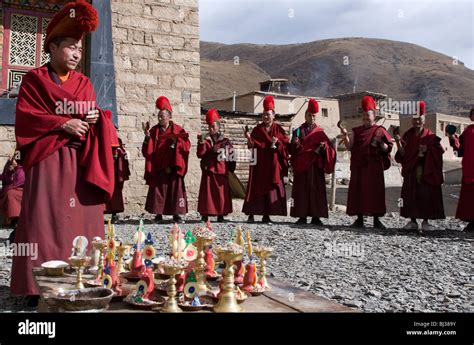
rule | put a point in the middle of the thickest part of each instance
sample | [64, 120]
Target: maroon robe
[165, 168]
[122, 174]
[309, 183]
[266, 189]
[464, 145]
[367, 186]
[214, 192]
[422, 176]
[67, 180]
[12, 191]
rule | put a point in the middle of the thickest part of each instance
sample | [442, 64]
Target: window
[441, 126]
[23, 39]
[324, 112]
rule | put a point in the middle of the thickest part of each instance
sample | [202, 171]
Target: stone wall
[156, 52]
[7, 143]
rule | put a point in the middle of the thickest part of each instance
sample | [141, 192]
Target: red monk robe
[266, 190]
[309, 183]
[13, 179]
[367, 186]
[214, 193]
[165, 168]
[67, 179]
[122, 174]
[422, 176]
[464, 145]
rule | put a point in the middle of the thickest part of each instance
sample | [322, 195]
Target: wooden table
[282, 298]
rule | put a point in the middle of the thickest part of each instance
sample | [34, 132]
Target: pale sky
[445, 26]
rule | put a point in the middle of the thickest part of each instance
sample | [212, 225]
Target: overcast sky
[440, 25]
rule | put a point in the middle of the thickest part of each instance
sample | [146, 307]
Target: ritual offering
[54, 267]
[79, 246]
[262, 252]
[122, 249]
[190, 252]
[79, 263]
[228, 301]
[197, 303]
[158, 266]
[204, 237]
[172, 267]
[239, 267]
[112, 280]
[137, 301]
[177, 241]
[100, 246]
[250, 278]
[81, 300]
[136, 265]
[95, 255]
[211, 274]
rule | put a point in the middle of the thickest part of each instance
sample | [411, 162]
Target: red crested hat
[74, 20]
[420, 109]
[163, 103]
[368, 103]
[212, 116]
[313, 106]
[268, 103]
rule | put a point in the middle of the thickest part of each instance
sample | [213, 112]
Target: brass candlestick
[200, 268]
[122, 249]
[262, 253]
[100, 246]
[228, 300]
[171, 305]
[79, 262]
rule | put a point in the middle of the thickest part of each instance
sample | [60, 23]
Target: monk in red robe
[13, 179]
[312, 156]
[370, 147]
[266, 189]
[122, 174]
[166, 151]
[66, 145]
[214, 193]
[421, 156]
[464, 145]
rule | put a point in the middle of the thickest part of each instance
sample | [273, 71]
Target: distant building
[351, 111]
[252, 102]
[437, 122]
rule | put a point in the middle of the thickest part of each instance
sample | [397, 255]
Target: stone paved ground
[372, 270]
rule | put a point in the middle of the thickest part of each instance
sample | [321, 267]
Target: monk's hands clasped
[92, 116]
[76, 127]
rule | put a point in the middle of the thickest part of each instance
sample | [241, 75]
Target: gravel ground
[371, 270]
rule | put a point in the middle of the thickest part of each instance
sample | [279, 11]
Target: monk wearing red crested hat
[214, 193]
[166, 151]
[421, 155]
[122, 173]
[312, 156]
[464, 145]
[266, 189]
[370, 146]
[67, 153]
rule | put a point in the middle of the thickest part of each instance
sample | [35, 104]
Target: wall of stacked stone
[156, 52]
